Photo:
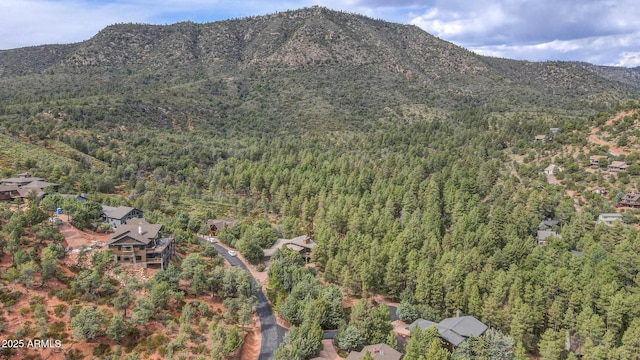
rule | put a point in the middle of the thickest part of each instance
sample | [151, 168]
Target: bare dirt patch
[250, 349]
[329, 351]
[594, 138]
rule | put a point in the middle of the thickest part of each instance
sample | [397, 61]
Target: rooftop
[610, 216]
[296, 244]
[617, 164]
[454, 330]
[220, 223]
[137, 229]
[116, 212]
[377, 351]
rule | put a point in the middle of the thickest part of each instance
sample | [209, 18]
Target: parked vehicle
[232, 253]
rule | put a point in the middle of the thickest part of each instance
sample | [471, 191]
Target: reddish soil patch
[77, 238]
[596, 140]
[614, 150]
[329, 351]
[383, 300]
[250, 349]
[15, 318]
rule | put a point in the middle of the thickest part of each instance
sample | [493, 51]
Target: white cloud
[33, 22]
[582, 30]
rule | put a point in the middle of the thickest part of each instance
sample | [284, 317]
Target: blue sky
[604, 32]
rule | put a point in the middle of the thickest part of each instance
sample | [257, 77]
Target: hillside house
[377, 351]
[631, 200]
[552, 169]
[609, 218]
[216, 224]
[595, 160]
[9, 192]
[549, 224]
[25, 186]
[117, 216]
[45, 186]
[543, 236]
[136, 242]
[301, 244]
[618, 166]
[600, 190]
[453, 331]
[22, 180]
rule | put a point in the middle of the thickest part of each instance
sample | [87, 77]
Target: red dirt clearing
[593, 138]
[77, 238]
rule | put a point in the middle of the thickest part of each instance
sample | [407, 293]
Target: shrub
[66, 295]
[60, 310]
[35, 300]
[9, 298]
[102, 351]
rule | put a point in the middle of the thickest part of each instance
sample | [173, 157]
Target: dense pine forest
[421, 184]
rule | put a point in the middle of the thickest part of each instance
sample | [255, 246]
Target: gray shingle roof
[139, 230]
[465, 325]
[39, 184]
[20, 180]
[454, 330]
[116, 212]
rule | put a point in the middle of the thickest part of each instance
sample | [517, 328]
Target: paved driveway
[272, 333]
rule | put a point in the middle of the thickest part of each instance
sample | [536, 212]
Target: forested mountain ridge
[319, 68]
[629, 76]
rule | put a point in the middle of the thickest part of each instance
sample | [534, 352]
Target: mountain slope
[310, 68]
[630, 76]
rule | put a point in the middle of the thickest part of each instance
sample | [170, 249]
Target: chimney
[305, 240]
[375, 350]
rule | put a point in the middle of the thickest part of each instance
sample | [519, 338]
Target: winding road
[272, 334]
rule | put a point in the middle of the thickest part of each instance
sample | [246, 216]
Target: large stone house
[117, 216]
[137, 242]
